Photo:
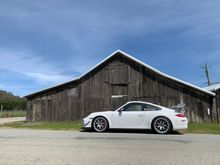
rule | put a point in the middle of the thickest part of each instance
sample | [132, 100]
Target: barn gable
[115, 80]
[131, 58]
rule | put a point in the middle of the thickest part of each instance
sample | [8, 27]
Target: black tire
[161, 125]
[100, 124]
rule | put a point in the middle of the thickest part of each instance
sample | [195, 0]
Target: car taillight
[180, 115]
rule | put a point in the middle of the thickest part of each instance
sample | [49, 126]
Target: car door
[130, 116]
[151, 111]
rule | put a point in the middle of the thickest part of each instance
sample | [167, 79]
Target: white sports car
[137, 115]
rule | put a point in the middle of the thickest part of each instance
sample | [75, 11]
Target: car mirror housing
[120, 110]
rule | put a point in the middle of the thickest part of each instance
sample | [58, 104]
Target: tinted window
[133, 107]
[148, 107]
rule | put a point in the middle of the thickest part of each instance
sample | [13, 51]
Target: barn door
[37, 110]
[118, 79]
[119, 95]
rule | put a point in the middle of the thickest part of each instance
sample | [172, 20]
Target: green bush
[13, 105]
[6, 114]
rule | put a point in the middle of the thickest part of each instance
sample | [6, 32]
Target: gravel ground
[11, 119]
[25, 147]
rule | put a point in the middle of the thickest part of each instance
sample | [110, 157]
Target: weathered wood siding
[217, 100]
[117, 76]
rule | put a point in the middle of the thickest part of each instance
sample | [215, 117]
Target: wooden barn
[112, 82]
[215, 88]
[218, 104]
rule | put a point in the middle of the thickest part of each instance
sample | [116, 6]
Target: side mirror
[120, 110]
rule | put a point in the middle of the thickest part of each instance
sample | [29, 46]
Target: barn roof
[131, 58]
[213, 87]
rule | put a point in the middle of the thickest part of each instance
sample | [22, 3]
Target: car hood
[94, 114]
[103, 113]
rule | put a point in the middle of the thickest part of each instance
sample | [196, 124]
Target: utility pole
[207, 74]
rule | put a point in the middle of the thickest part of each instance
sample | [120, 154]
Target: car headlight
[85, 122]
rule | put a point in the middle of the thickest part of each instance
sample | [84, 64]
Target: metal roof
[213, 87]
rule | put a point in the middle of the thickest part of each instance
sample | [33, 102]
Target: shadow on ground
[130, 131]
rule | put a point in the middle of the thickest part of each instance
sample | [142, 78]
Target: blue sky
[47, 42]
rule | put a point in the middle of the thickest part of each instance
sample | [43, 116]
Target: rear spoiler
[180, 108]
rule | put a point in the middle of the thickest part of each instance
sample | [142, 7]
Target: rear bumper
[180, 123]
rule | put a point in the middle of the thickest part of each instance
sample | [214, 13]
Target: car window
[133, 107]
[148, 107]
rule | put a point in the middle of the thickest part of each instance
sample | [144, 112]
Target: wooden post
[1, 108]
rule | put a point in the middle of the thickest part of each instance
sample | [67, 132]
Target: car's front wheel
[100, 124]
[161, 125]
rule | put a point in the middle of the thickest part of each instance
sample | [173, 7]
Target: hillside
[11, 102]
[8, 96]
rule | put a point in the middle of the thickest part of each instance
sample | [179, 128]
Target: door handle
[141, 115]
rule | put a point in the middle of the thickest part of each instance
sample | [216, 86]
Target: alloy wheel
[161, 125]
[100, 124]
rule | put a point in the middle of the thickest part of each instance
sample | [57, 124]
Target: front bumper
[86, 123]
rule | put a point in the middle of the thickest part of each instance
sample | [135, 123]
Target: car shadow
[132, 131]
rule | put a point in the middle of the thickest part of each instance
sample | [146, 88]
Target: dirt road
[11, 119]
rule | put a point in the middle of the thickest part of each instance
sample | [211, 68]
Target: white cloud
[56, 78]
[88, 28]
[88, 25]
[27, 63]
[83, 22]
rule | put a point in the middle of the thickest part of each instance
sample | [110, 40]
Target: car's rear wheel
[100, 124]
[161, 125]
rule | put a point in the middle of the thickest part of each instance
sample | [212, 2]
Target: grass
[74, 125]
[203, 128]
[12, 114]
[200, 128]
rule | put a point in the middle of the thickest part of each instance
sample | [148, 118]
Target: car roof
[144, 102]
